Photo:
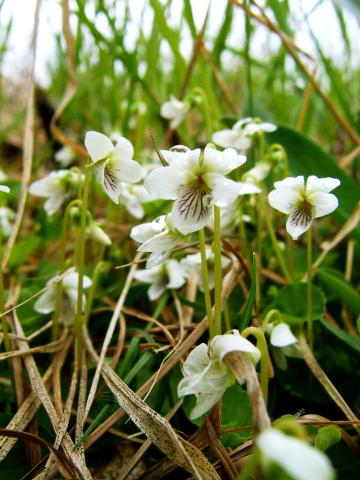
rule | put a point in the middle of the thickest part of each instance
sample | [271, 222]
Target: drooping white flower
[239, 136]
[7, 217]
[65, 156]
[206, 373]
[284, 344]
[256, 174]
[4, 188]
[192, 263]
[158, 238]
[297, 458]
[303, 202]
[196, 181]
[132, 197]
[113, 165]
[174, 110]
[97, 233]
[56, 187]
[47, 301]
[167, 275]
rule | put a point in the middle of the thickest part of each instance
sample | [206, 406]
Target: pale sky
[323, 22]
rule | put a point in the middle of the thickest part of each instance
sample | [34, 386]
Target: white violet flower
[303, 202]
[174, 110]
[158, 238]
[4, 188]
[296, 458]
[196, 181]
[46, 302]
[7, 216]
[65, 156]
[206, 373]
[239, 136]
[167, 275]
[113, 165]
[56, 187]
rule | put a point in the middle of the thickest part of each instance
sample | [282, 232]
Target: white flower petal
[298, 222]
[156, 290]
[204, 403]
[296, 457]
[176, 274]
[221, 345]
[283, 200]
[147, 276]
[46, 302]
[291, 183]
[231, 138]
[324, 203]
[4, 188]
[224, 190]
[129, 171]
[222, 162]
[160, 243]
[123, 149]
[164, 182]
[191, 211]
[54, 203]
[282, 336]
[49, 185]
[315, 184]
[98, 234]
[98, 145]
[197, 360]
[112, 182]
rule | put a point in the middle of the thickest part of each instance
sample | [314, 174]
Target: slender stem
[218, 269]
[94, 285]
[205, 279]
[264, 362]
[4, 325]
[309, 287]
[227, 316]
[62, 259]
[80, 264]
[270, 228]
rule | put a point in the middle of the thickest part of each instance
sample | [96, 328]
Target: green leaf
[188, 15]
[345, 337]
[235, 412]
[22, 250]
[307, 158]
[291, 302]
[225, 29]
[246, 316]
[340, 288]
[327, 437]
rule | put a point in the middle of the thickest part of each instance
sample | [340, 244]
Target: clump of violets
[196, 181]
[206, 373]
[113, 165]
[303, 202]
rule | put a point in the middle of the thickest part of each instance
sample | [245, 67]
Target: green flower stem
[218, 269]
[270, 228]
[62, 266]
[205, 109]
[227, 316]
[205, 279]
[264, 361]
[80, 265]
[309, 287]
[95, 278]
[4, 324]
[269, 316]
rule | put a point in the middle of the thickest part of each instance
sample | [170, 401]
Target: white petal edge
[282, 336]
[98, 145]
